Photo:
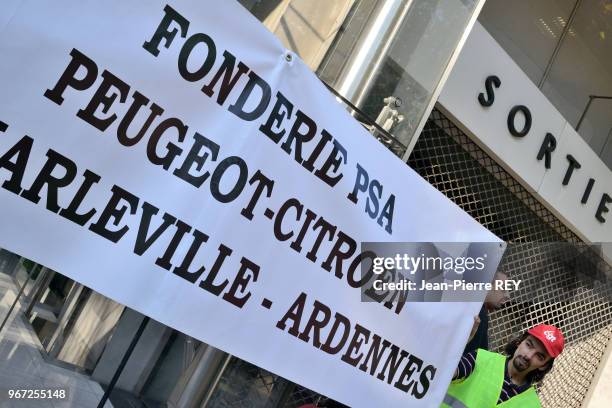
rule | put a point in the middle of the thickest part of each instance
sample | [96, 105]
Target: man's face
[530, 355]
[496, 298]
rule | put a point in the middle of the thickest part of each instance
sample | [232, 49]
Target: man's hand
[474, 327]
[472, 334]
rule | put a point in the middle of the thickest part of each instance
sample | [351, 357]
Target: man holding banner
[484, 379]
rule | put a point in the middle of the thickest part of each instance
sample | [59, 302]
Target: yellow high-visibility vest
[481, 389]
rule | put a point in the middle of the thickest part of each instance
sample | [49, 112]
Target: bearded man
[484, 379]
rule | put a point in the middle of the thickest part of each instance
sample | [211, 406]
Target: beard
[520, 364]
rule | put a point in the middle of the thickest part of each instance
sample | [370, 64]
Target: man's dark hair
[536, 375]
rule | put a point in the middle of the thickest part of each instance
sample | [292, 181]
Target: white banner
[174, 157]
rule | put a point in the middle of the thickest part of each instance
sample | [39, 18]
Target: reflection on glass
[583, 67]
[528, 31]
[400, 49]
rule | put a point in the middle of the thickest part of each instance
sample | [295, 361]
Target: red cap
[551, 338]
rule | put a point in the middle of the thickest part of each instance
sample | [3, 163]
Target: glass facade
[395, 55]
